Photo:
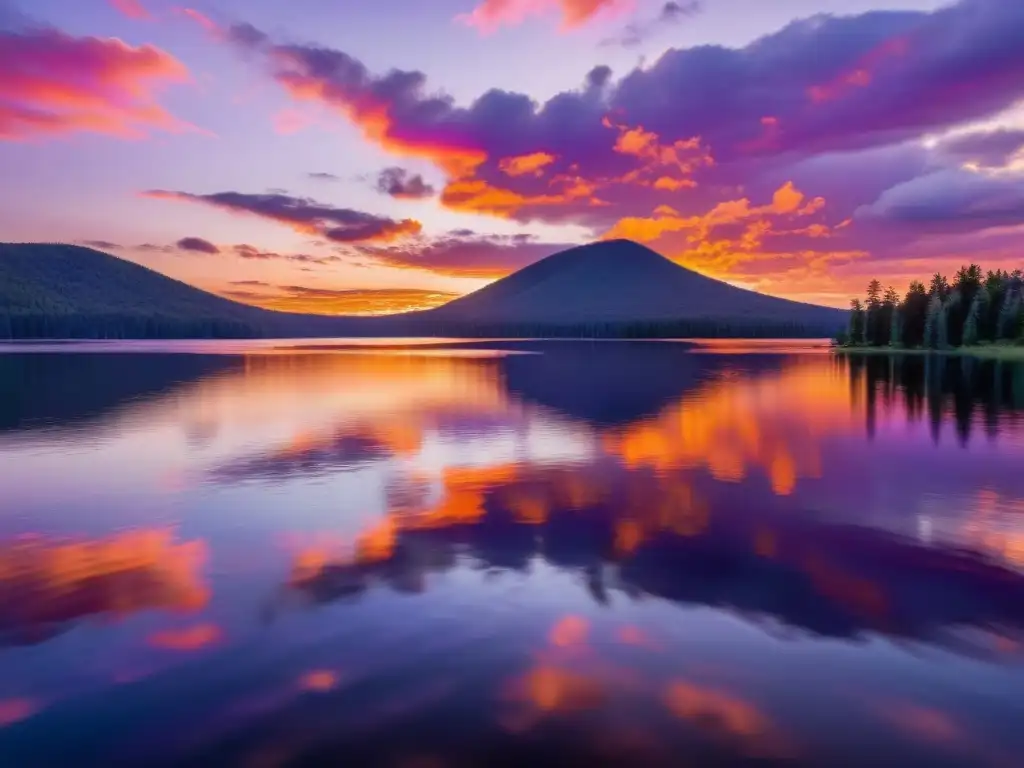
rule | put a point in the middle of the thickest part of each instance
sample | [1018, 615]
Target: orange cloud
[478, 196]
[133, 9]
[187, 639]
[492, 14]
[668, 184]
[319, 681]
[786, 201]
[52, 83]
[682, 157]
[526, 164]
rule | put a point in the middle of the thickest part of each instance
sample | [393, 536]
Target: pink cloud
[493, 14]
[133, 9]
[52, 83]
[288, 121]
[199, 18]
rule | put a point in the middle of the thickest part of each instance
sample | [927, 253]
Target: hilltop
[70, 291]
[619, 282]
[611, 288]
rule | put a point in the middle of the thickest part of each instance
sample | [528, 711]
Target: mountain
[614, 288]
[619, 281]
[69, 291]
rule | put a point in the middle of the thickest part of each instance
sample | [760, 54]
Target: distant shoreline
[411, 345]
[988, 352]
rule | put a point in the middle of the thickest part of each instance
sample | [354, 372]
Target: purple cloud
[103, 245]
[637, 32]
[196, 244]
[400, 183]
[246, 251]
[952, 199]
[988, 149]
[339, 225]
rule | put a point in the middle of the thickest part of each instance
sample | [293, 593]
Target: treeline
[657, 329]
[33, 325]
[974, 309]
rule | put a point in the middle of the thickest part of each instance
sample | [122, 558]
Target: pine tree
[932, 321]
[914, 311]
[984, 320]
[942, 332]
[1007, 324]
[856, 332]
[874, 307]
[939, 286]
[971, 335]
[896, 328]
[954, 316]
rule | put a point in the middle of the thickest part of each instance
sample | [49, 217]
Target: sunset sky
[355, 156]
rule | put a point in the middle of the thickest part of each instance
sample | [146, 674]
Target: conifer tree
[896, 328]
[1007, 323]
[971, 333]
[874, 307]
[856, 332]
[933, 321]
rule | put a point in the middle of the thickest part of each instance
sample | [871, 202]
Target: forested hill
[69, 291]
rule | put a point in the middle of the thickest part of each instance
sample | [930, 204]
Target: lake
[414, 554]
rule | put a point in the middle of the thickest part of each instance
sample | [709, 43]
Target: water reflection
[648, 538]
[612, 552]
[46, 587]
[960, 389]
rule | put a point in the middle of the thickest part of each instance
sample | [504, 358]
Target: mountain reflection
[648, 536]
[34, 388]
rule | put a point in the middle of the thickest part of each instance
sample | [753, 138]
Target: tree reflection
[958, 388]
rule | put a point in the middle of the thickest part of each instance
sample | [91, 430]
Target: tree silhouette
[855, 334]
[977, 308]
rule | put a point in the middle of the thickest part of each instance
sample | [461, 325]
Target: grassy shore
[985, 352]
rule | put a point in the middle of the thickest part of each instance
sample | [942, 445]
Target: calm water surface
[508, 554]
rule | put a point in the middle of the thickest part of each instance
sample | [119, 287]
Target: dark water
[509, 554]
